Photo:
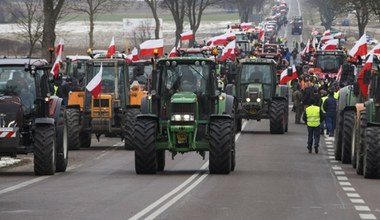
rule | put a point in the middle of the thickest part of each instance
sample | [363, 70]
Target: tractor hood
[254, 92]
[184, 97]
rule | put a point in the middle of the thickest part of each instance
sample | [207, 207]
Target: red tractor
[31, 120]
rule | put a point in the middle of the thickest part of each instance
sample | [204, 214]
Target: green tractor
[368, 156]
[259, 95]
[185, 112]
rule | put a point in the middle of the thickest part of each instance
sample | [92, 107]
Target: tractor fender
[342, 101]
[44, 120]
[147, 116]
[359, 108]
[216, 116]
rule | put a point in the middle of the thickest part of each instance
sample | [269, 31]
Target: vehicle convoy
[104, 114]
[259, 95]
[185, 112]
[297, 25]
[328, 62]
[139, 73]
[32, 121]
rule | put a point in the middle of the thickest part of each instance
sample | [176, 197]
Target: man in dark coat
[330, 106]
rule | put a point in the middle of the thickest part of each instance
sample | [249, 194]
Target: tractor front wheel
[44, 149]
[220, 146]
[145, 148]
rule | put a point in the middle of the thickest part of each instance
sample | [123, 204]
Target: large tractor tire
[145, 149]
[361, 139]
[220, 146]
[277, 114]
[85, 139]
[372, 153]
[347, 133]
[44, 149]
[74, 128]
[129, 127]
[62, 143]
[160, 160]
[338, 139]
[286, 115]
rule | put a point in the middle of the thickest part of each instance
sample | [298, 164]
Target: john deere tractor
[105, 113]
[185, 112]
[259, 95]
[32, 121]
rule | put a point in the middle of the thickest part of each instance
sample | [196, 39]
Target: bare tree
[142, 33]
[29, 18]
[153, 5]
[92, 8]
[362, 10]
[51, 10]
[375, 5]
[177, 8]
[245, 9]
[328, 10]
[195, 9]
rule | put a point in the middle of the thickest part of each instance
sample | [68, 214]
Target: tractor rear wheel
[372, 153]
[347, 133]
[220, 146]
[74, 128]
[145, 148]
[44, 149]
[277, 117]
[362, 143]
[62, 143]
[129, 127]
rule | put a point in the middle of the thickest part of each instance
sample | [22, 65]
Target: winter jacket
[330, 106]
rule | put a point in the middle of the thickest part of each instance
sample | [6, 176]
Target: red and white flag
[111, 49]
[376, 49]
[58, 60]
[284, 78]
[262, 35]
[326, 38]
[339, 74]
[218, 40]
[331, 45]
[134, 56]
[326, 33]
[306, 49]
[245, 25]
[367, 67]
[95, 85]
[148, 47]
[187, 35]
[173, 52]
[360, 47]
[228, 51]
[338, 35]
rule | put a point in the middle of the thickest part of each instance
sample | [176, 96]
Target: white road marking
[339, 173]
[24, 184]
[345, 183]
[349, 189]
[329, 146]
[353, 195]
[336, 168]
[342, 178]
[367, 216]
[331, 153]
[359, 201]
[334, 161]
[331, 157]
[362, 208]
[329, 143]
[330, 150]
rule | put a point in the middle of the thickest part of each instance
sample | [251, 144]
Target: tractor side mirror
[367, 77]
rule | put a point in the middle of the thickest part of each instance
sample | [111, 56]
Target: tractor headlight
[248, 99]
[258, 100]
[185, 117]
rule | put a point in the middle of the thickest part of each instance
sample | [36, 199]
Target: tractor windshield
[111, 76]
[329, 63]
[186, 77]
[139, 73]
[14, 81]
[256, 74]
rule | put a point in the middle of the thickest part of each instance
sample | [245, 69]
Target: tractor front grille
[183, 108]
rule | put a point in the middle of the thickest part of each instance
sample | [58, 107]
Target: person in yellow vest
[324, 96]
[313, 117]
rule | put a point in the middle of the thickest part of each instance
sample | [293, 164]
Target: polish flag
[246, 25]
[58, 60]
[228, 51]
[338, 35]
[173, 52]
[327, 33]
[261, 35]
[306, 49]
[95, 85]
[284, 78]
[147, 47]
[339, 74]
[360, 47]
[111, 49]
[218, 40]
[376, 49]
[188, 35]
[134, 56]
[331, 45]
[326, 38]
[60, 47]
[367, 67]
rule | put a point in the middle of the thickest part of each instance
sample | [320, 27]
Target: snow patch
[7, 161]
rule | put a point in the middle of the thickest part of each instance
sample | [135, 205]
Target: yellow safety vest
[323, 102]
[313, 116]
[55, 90]
[336, 95]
